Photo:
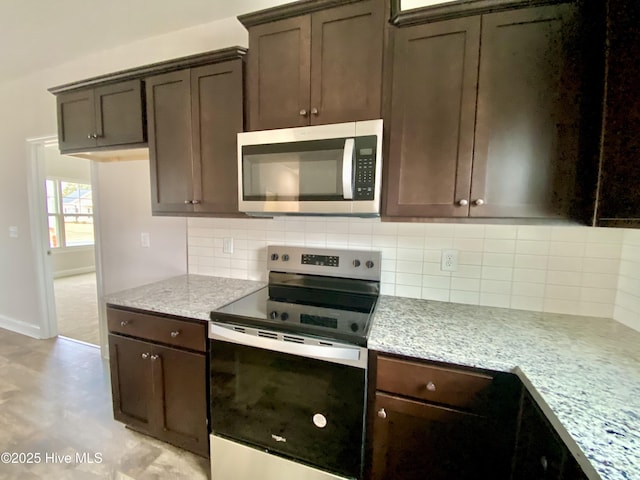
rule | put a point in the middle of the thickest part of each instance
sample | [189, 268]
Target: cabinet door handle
[544, 463]
[431, 386]
[478, 202]
[463, 202]
[124, 323]
[303, 113]
[90, 136]
[382, 413]
[145, 356]
[175, 333]
[95, 135]
[154, 357]
[188, 202]
[195, 202]
[314, 111]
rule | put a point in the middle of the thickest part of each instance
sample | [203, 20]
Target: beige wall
[124, 202]
[29, 111]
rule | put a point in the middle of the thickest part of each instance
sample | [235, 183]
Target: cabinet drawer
[457, 388]
[170, 331]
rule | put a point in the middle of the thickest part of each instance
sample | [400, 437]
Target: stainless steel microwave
[320, 170]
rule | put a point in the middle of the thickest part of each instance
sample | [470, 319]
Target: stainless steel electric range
[288, 369]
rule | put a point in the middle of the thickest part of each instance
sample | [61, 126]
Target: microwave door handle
[347, 168]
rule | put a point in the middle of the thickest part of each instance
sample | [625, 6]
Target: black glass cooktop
[304, 307]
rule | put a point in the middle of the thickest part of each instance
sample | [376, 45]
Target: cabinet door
[619, 195]
[217, 113]
[118, 109]
[76, 120]
[415, 441]
[346, 63]
[432, 119]
[526, 142]
[540, 454]
[131, 382]
[278, 73]
[169, 129]
[180, 389]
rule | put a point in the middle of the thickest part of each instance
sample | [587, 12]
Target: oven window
[306, 409]
[308, 171]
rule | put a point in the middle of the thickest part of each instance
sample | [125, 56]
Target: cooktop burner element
[321, 293]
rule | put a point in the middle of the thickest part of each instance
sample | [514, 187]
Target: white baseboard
[21, 327]
[74, 271]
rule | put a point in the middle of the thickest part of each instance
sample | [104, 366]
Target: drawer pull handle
[382, 413]
[175, 333]
[154, 357]
[124, 323]
[145, 356]
[431, 387]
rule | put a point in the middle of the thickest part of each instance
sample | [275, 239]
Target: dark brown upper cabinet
[315, 68]
[485, 115]
[194, 116]
[104, 117]
[619, 192]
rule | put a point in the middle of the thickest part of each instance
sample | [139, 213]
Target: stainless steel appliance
[325, 169]
[288, 369]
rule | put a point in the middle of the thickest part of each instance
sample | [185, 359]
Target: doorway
[62, 192]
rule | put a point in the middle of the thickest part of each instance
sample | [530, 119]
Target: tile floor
[55, 400]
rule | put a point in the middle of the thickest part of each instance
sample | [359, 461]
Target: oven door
[305, 409]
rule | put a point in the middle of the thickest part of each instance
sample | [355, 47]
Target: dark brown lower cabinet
[540, 453]
[437, 421]
[415, 441]
[160, 391]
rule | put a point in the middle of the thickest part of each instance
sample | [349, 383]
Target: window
[70, 211]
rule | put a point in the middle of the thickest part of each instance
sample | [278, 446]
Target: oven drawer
[179, 333]
[446, 386]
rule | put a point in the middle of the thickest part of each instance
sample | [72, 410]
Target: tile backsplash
[627, 305]
[561, 269]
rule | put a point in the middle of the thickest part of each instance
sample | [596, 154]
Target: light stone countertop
[586, 369]
[189, 296]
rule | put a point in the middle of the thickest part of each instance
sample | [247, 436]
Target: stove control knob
[273, 315]
[354, 327]
[369, 264]
[285, 258]
[284, 317]
[274, 256]
[356, 263]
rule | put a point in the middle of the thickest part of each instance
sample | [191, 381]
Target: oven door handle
[347, 168]
[330, 353]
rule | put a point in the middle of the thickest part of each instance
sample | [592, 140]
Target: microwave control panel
[365, 168]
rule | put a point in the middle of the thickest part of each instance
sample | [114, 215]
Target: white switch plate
[227, 245]
[449, 261]
[13, 231]
[144, 240]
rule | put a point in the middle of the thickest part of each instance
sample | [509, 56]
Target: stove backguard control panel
[358, 264]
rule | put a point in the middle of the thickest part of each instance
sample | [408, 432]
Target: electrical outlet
[13, 231]
[227, 245]
[144, 240]
[449, 261]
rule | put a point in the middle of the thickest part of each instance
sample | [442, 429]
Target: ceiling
[37, 34]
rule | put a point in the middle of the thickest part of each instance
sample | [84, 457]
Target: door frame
[38, 220]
